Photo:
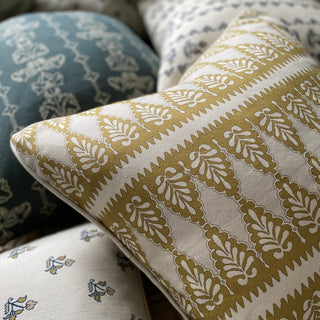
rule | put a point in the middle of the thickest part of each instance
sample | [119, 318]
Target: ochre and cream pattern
[212, 185]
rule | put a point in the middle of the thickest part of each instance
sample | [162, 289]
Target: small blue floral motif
[96, 289]
[53, 264]
[123, 261]
[133, 317]
[17, 251]
[87, 235]
[13, 308]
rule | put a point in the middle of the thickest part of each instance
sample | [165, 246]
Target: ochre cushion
[211, 186]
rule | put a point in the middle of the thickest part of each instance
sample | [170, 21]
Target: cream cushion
[181, 30]
[75, 274]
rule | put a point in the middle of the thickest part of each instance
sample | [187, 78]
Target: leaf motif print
[125, 235]
[178, 192]
[191, 308]
[276, 124]
[260, 52]
[64, 178]
[271, 236]
[188, 305]
[219, 82]
[147, 219]
[297, 106]
[248, 145]
[204, 288]
[239, 65]
[314, 164]
[311, 91]
[235, 261]
[185, 98]
[60, 125]
[149, 113]
[277, 42]
[311, 307]
[87, 154]
[26, 141]
[119, 131]
[211, 166]
[303, 207]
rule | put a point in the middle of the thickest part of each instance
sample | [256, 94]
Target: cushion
[124, 10]
[51, 65]
[14, 7]
[213, 185]
[75, 274]
[181, 30]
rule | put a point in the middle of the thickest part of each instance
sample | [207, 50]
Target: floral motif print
[17, 251]
[13, 308]
[87, 235]
[123, 261]
[311, 307]
[133, 317]
[53, 264]
[97, 291]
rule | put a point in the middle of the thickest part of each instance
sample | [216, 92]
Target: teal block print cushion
[52, 65]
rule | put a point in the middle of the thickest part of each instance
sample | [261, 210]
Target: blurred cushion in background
[124, 10]
[181, 30]
[14, 7]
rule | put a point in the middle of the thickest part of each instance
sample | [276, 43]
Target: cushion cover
[56, 64]
[181, 30]
[124, 10]
[14, 7]
[213, 185]
[75, 274]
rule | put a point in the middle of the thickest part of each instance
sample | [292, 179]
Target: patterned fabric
[181, 30]
[213, 185]
[124, 10]
[51, 65]
[75, 274]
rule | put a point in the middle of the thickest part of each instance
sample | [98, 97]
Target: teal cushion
[52, 65]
